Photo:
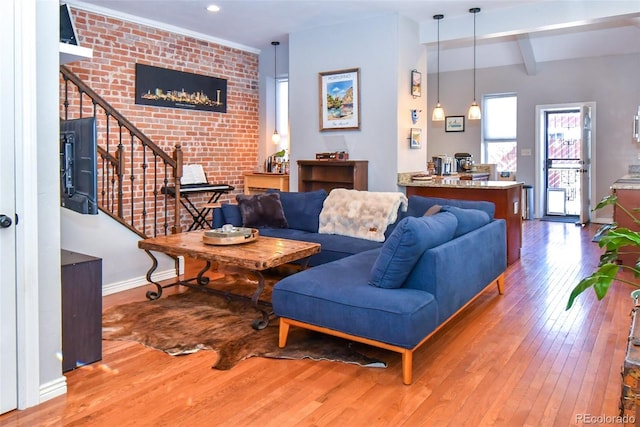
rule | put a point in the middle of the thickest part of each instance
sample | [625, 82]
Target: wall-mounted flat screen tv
[78, 165]
[67, 28]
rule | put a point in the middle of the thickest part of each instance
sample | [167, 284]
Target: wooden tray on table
[235, 236]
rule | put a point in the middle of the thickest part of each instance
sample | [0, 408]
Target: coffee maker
[442, 165]
[464, 162]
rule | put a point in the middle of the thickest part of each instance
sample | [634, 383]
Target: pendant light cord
[438, 17]
[474, 55]
[275, 84]
[475, 11]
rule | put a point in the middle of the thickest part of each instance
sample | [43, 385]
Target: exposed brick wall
[226, 144]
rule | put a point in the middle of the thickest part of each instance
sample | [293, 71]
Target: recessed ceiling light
[213, 8]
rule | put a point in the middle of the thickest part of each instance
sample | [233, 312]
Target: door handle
[5, 221]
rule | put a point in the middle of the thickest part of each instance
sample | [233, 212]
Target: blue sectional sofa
[393, 294]
[301, 211]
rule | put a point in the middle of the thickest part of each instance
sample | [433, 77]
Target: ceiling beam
[528, 57]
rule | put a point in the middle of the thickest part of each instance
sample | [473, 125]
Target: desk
[254, 257]
[199, 215]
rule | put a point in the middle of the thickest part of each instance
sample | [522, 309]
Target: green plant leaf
[606, 201]
[600, 280]
[612, 238]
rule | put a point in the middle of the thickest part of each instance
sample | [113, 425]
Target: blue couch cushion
[261, 210]
[410, 238]
[468, 219]
[302, 209]
[418, 205]
[333, 246]
[231, 214]
[337, 296]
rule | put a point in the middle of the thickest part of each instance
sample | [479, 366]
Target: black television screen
[78, 165]
[67, 29]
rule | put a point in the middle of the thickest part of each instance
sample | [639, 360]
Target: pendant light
[276, 136]
[474, 110]
[438, 111]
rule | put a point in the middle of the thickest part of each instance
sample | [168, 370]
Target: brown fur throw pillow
[262, 210]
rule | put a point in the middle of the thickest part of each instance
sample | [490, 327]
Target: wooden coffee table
[254, 257]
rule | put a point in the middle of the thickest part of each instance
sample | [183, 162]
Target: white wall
[124, 266]
[47, 171]
[411, 55]
[611, 82]
[385, 49]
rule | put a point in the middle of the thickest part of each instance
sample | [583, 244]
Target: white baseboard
[602, 220]
[135, 282]
[55, 388]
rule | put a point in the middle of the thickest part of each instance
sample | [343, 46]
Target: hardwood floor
[512, 360]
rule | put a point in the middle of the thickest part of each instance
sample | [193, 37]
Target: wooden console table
[254, 257]
[260, 182]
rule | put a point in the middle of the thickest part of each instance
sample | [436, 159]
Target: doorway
[8, 278]
[564, 163]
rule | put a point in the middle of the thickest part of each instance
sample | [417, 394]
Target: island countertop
[627, 182]
[405, 180]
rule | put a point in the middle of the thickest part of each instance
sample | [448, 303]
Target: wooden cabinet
[260, 182]
[630, 396]
[81, 309]
[328, 174]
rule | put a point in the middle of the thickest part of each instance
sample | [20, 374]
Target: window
[499, 124]
[282, 111]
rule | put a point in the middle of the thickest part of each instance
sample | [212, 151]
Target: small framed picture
[416, 83]
[454, 124]
[416, 138]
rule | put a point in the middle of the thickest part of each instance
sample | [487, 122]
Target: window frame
[485, 142]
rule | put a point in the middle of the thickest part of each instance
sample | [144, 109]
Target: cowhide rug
[194, 320]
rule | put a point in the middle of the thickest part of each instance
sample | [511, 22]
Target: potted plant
[616, 241]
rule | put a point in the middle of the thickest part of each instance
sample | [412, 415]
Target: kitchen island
[627, 189]
[506, 195]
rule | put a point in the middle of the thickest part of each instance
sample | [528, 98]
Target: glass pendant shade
[275, 137]
[438, 113]
[474, 112]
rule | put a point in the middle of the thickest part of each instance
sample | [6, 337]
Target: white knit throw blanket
[363, 214]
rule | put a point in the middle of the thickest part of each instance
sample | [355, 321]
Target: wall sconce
[276, 136]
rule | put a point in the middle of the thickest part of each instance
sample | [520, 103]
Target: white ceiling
[508, 31]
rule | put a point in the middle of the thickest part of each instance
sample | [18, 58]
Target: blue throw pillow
[302, 209]
[410, 238]
[231, 215]
[468, 219]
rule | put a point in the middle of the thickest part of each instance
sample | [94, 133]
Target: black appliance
[464, 162]
[442, 165]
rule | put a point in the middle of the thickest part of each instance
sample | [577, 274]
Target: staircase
[132, 170]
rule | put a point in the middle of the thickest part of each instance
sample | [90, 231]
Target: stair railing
[133, 171]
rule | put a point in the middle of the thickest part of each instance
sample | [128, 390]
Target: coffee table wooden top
[261, 254]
